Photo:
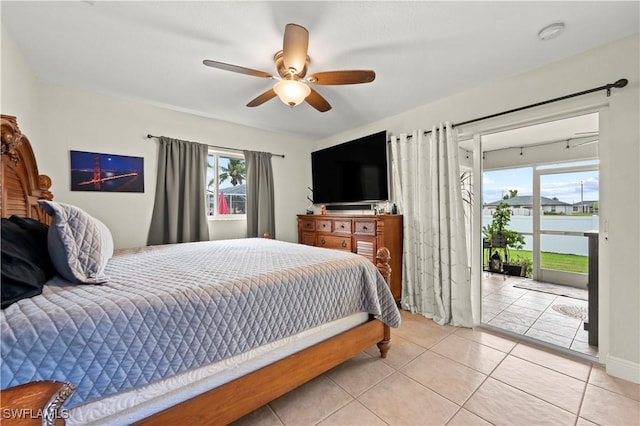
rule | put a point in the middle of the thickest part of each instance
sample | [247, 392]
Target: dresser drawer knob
[344, 243]
[364, 227]
[322, 241]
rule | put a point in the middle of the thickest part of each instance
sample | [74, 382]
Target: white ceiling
[572, 132]
[421, 51]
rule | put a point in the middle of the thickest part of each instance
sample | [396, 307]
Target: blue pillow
[79, 244]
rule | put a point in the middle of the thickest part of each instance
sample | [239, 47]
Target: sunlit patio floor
[554, 319]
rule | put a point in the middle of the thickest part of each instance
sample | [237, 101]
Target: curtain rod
[617, 85]
[149, 136]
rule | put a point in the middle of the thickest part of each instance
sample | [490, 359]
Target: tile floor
[441, 375]
[531, 313]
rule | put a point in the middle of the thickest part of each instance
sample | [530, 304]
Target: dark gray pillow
[25, 261]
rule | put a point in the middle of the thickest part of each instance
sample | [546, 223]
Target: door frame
[546, 113]
[538, 273]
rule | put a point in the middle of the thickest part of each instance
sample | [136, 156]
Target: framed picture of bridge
[92, 171]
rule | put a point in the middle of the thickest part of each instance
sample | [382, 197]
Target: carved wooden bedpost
[382, 263]
[20, 181]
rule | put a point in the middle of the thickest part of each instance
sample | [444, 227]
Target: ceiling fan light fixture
[291, 92]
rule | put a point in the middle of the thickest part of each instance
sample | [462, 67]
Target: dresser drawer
[309, 225]
[323, 225]
[365, 227]
[332, 242]
[342, 226]
[308, 238]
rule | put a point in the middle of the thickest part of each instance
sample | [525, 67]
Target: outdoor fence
[554, 243]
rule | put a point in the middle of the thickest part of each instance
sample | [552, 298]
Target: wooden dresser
[360, 234]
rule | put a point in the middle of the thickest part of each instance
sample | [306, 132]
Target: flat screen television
[351, 172]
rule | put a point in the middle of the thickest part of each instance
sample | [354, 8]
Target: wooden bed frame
[21, 187]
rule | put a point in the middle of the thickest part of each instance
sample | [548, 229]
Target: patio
[550, 318]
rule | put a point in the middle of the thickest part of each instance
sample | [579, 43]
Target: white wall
[20, 90]
[619, 172]
[58, 119]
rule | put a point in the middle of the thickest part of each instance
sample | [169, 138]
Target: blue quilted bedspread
[168, 309]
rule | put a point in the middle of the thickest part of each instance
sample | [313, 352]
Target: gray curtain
[179, 211]
[260, 205]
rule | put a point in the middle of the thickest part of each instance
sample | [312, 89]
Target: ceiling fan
[292, 63]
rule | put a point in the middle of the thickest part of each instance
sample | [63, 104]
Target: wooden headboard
[21, 186]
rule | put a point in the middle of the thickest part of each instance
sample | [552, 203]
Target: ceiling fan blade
[269, 94]
[316, 100]
[236, 68]
[328, 78]
[294, 47]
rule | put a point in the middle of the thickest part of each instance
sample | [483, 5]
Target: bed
[192, 340]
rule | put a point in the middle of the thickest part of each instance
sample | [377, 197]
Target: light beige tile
[488, 315]
[353, 414]
[548, 385]
[600, 378]
[554, 339]
[605, 407]
[426, 322]
[263, 416]
[400, 400]
[552, 316]
[541, 295]
[508, 326]
[560, 330]
[359, 373]
[400, 353]
[501, 404]
[516, 318]
[582, 334]
[515, 291]
[470, 353]
[533, 303]
[465, 418]
[574, 368]
[522, 310]
[498, 297]
[495, 305]
[500, 343]
[565, 300]
[311, 402]
[584, 347]
[584, 422]
[422, 333]
[449, 378]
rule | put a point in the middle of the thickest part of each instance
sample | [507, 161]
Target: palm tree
[234, 170]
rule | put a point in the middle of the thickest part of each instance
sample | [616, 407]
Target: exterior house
[234, 199]
[592, 207]
[522, 205]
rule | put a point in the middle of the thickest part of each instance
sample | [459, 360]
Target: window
[226, 187]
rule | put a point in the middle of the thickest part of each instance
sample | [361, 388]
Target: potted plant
[500, 237]
[518, 266]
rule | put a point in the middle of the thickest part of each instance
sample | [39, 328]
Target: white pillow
[79, 244]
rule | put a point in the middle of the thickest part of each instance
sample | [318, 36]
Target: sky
[223, 162]
[565, 186]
